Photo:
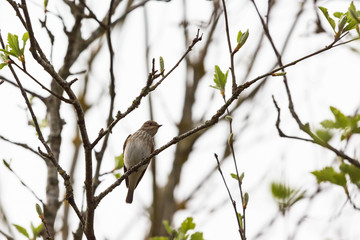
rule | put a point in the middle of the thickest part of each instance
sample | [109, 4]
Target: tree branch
[144, 92]
[231, 52]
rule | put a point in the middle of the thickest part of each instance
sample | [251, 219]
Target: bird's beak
[159, 125]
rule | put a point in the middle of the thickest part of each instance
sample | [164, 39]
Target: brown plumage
[138, 146]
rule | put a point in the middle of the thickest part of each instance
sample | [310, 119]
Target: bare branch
[8, 237]
[144, 92]
[39, 83]
[23, 183]
[231, 52]
[23, 145]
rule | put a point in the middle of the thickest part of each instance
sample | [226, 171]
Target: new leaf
[21, 230]
[220, 80]
[328, 18]
[328, 174]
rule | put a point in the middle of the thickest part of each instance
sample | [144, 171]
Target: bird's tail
[129, 197]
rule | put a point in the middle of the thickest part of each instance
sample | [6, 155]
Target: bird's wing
[142, 174]
[125, 169]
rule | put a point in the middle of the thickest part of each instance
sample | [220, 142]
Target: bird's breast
[137, 149]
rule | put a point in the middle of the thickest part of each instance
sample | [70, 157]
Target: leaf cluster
[347, 125]
[181, 233]
[286, 196]
[329, 174]
[346, 21]
[246, 195]
[241, 40]
[15, 50]
[220, 80]
[36, 230]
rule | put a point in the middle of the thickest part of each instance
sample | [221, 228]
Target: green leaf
[187, 225]
[239, 36]
[14, 44]
[285, 196]
[197, 236]
[348, 125]
[241, 177]
[328, 124]
[21, 230]
[39, 211]
[119, 161]
[324, 135]
[246, 199]
[343, 20]
[220, 79]
[46, 2]
[328, 18]
[8, 52]
[243, 37]
[25, 37]
[234, 176]
[240, 217]
[230, 139]
[280, 190]
[168, 228]
[241, 40]
[355, 15]
[338, 14]
[353, 172]
[341, 121]
[159, 238]
[36, 230]
[3, 58]
[328, 174]
[161, 60]
[2, 65]
[117, 175]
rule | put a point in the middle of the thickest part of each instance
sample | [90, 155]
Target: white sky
[331, 78]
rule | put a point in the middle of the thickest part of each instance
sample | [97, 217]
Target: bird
[138, 146]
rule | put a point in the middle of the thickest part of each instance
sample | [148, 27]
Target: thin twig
[93, 15]
[23, 145]
[144, 92]
[43, 220]
[4, 79]
[49, 155]
[277, 124]
[8, 237]
[22, 182]
[230, 196]
[40, 57]
[99, 155]
[42, 86]
[231, 52]
[197, 39]
[214, 119]
[304, 127]
[231, 145]
[351, 201]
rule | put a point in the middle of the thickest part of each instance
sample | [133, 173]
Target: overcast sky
[329, 79]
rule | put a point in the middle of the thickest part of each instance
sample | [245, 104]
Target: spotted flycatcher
[138, 146]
